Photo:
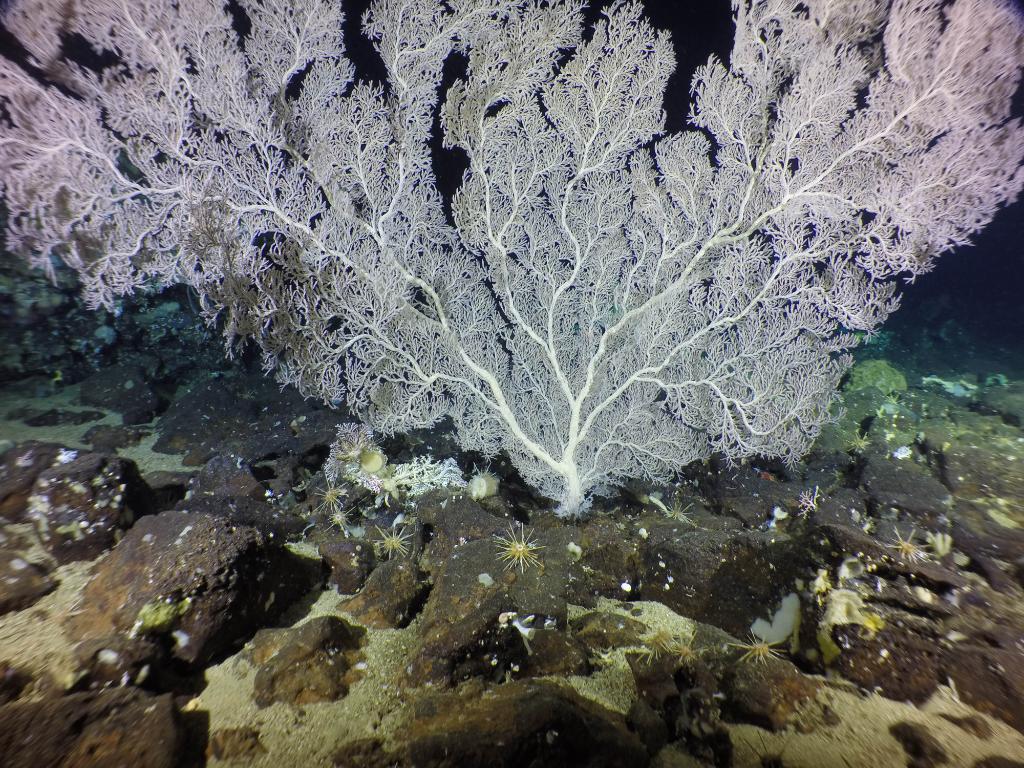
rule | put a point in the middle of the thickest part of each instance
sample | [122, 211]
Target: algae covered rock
[879, 374]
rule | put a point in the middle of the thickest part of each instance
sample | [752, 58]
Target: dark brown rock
[643, 720]
[14, 540]
[241, 415]
[543, 590]
[727, 578]
[610, 557]
[194, 582]
[479, 612]
[123, 389]
[390, 596]
[454, 519]
[120, 659]
[460, 618]
[168, 488]
[845, 506]
[272, 520]
[365, 753]
[107, 438]
[226, 476]
[552, 652]
[57, 416]
[1007, 401]
[750, 494]
[975, 725]
[19, 467]
[602, 631]
[987, 543]
[305, 664]
[119, 727]
[514, 725]
[235, 744]
[655, 679]
[996, 761]
[990, 679]
[905, 486]
[879, 553]
[766, 694]
[904, 661]
[21, 582]
[685, 692]
[846, 540]
[83, 501]
[350, 562]
[923, 750]
[975, 463]
[12, 682]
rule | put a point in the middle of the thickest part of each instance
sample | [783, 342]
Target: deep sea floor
[181, 585]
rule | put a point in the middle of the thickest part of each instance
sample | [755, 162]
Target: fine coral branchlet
[809, 501]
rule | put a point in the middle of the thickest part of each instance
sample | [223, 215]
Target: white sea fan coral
[601, 299]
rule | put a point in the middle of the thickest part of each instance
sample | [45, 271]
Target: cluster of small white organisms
[356, 459]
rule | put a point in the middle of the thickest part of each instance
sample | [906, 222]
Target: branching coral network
[600, 300]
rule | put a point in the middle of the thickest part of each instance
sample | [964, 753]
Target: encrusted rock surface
[305, 664]
[245, 416]
[349, 561]
[900, 537]
[121, 727]
[21, 582]
[124, 389]
[522, 723]
[390, 595]
[20, 465]
[196, 584]
[84, 501]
